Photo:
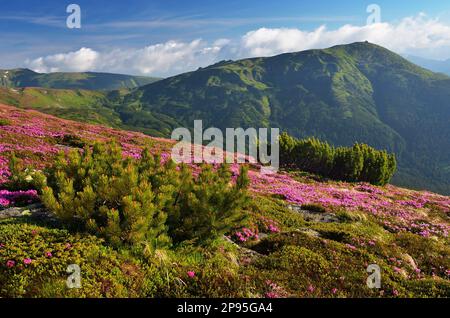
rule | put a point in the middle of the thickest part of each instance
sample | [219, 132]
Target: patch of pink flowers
[8, 198]
[245, 235]
[396, 208]
[268, 225]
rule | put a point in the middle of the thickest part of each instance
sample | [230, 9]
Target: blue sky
[171, 36]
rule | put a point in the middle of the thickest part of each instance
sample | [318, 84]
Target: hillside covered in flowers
[304, 236]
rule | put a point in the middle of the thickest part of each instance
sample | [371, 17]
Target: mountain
[358, 92]
[434, 65]
[89, 80]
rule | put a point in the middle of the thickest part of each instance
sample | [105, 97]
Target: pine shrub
[208, 206]
[98, 191]
[131, 201]
[351, 164]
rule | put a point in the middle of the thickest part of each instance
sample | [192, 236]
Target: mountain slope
[434, 65]
[357, 92]
[81, 105]
[286, 248]
[89, 80]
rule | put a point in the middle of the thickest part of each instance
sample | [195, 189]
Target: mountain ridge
[23, 77]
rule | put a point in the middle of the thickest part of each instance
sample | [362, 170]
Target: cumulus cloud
[410, 35]
[82, 60]
[159, 60]
[419, 35]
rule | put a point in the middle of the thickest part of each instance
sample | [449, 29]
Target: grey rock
[319, 217]
[35, 210]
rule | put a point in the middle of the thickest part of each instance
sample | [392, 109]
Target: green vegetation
[132, 202]
[80, 105]
[207, 207]
[355, 164]
[19, 78]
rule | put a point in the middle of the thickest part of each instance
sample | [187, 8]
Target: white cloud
[419, 35]
[159, 60]
[410, 35]
[82, 60]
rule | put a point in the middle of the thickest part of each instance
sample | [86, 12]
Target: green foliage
[359, 163]
[432, 256]
[22, 178]
[128, 201]
[311, 154]
[4, 122]
[99, 191]
[208, 206]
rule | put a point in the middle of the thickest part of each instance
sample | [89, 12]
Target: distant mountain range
[358, 92]
[89, 80]
[433, 65]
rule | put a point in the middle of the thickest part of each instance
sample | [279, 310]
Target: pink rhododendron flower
[48, 254]
[350, 246]
[10, 263]
[27, 261]
[191, 274]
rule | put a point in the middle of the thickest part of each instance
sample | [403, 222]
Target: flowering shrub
[390, 211]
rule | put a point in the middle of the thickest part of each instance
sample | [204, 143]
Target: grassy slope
[82, 105]
[89, 80]
[405, 232]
